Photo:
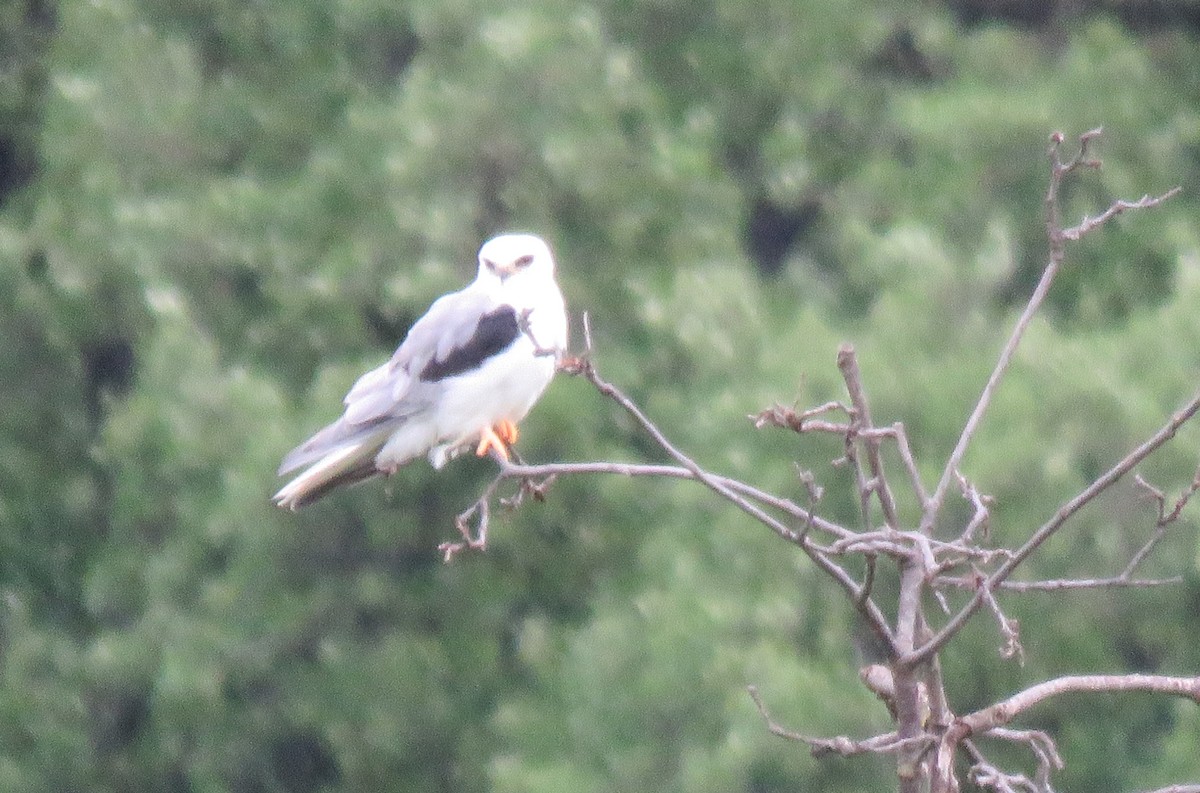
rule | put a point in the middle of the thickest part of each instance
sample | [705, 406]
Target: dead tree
[933, 561]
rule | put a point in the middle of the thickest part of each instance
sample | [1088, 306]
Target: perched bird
[465, 374]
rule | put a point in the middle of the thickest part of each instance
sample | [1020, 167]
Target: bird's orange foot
[507, 430]
[499, 437]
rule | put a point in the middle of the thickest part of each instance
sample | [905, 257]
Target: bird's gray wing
[455, 325]
[459, 332]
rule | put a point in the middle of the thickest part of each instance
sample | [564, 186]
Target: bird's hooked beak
[500, 270]
[504, 269]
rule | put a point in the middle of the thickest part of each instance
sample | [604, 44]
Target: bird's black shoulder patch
[495, 333]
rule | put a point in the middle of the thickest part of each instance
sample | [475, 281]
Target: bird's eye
[524, 261]
[491, 265]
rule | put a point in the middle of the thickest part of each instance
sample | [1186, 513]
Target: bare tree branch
[933, 506]
[848, 364]
[984, 774]
[780, 416]
[1010, 629]
[990, 721]
[787, 506]
[1057, 237]
[802, 422]
[1062, 584]
[481, 513]
[1006, 710]
[980, 520]
[897, 432]
[1117, 207]
[1124, 579]
[1106, 480]
[888, 743]
[909, 702]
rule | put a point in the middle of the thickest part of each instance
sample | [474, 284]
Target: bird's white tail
[354, 463]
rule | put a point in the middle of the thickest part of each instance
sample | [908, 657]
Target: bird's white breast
[507, 385]
[504, 387]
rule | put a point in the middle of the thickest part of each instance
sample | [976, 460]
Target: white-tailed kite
[465, 374]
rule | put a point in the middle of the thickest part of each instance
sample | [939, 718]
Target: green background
[215, 214]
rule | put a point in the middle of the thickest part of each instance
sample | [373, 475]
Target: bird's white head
[520, 256]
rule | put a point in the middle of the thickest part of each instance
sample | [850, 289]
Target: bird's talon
[507, 431]
[489, 440]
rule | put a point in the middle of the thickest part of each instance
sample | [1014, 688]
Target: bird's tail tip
[299, 492]
[287, 500]
[343, 467]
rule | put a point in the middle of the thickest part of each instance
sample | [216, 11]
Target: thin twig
[480, 512]
[1061, 584]
[862, 422]
[888, 743]
[984, 774]
[980, 520]
[788, 418]
[1164, 520]
[906, 456]
[1010, 629]
[1092, 223]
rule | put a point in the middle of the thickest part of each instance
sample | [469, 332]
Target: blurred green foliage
[215, 214]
